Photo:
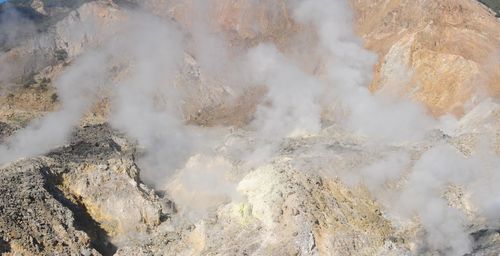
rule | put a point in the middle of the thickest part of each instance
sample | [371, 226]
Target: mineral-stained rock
[447, 50]
[285, 210]
[36, 219]
[81, 198]
[100, 172]
[439, 53]
[303, 213]
[87, 196]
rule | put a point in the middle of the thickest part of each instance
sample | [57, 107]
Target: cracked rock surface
[75, 198]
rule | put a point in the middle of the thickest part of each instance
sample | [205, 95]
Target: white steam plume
[147, 104]
[291, 106]
[349, 69]
[14, 28]
[77, 88]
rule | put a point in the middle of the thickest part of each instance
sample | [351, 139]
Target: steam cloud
[13, 28]
[137, 64]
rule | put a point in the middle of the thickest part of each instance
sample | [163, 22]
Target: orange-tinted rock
[440, 53]
[447, 48]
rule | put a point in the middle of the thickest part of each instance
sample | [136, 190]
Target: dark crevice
[91, 142]
[477, 235]
[480, 239]
[5, 131]
[83, 221]
[4, 246]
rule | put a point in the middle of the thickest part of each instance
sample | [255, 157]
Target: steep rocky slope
[89, 196]
[72, 200]
[440, 53]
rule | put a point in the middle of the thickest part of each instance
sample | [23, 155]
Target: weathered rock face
[85, 27]
[312, 215]
[245, 22]
[87, 196]
[296, 206]
[440, 53]
[83, 196]
[35, 217]
[75, 31]
[286, 211]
